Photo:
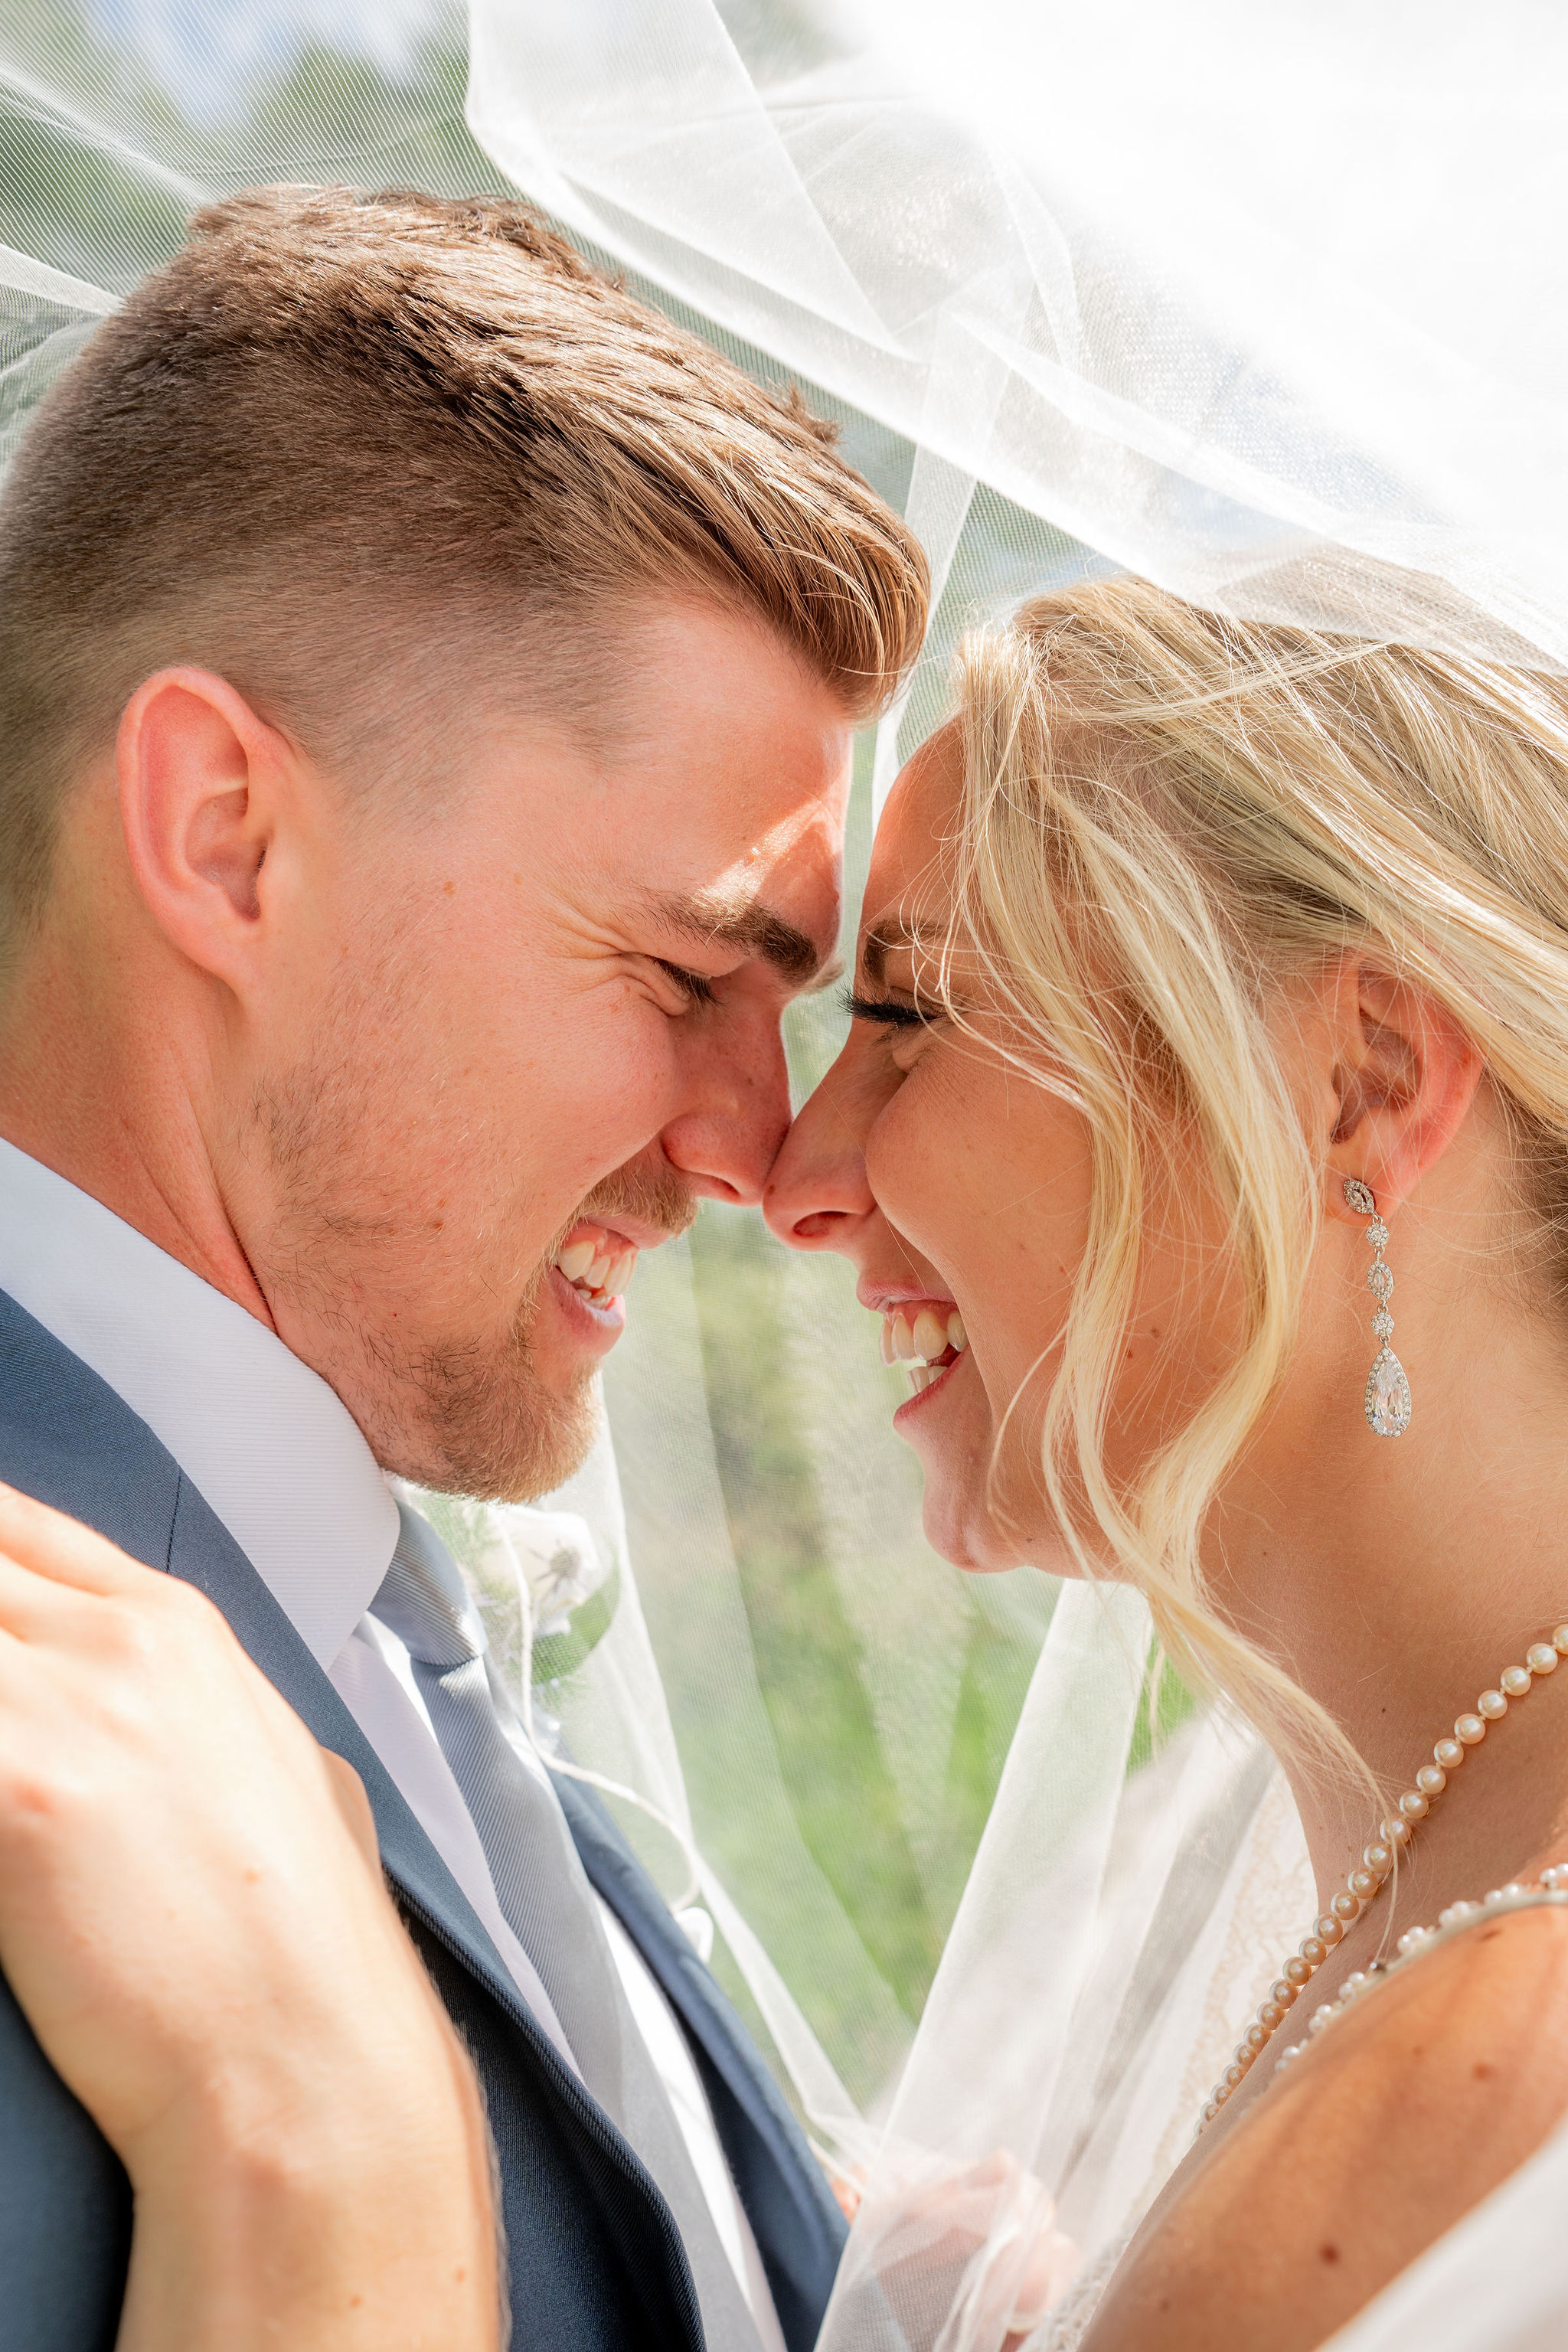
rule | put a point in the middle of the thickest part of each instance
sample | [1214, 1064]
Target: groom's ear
[206, 791]
[1400, 1077]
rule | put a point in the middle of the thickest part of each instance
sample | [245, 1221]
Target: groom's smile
[592, 1265]
[721, 930]
[596, 1262]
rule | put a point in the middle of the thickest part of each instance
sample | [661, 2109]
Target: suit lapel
[203, 1552]
[799, 2230]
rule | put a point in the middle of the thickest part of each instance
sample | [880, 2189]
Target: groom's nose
[737, 1113]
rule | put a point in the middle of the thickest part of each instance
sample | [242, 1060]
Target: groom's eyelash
[697, 987]
[882, 1009]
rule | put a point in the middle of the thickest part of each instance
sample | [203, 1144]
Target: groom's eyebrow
[711, 919]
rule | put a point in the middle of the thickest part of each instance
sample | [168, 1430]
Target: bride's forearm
[193, 1919]
[368, 2224]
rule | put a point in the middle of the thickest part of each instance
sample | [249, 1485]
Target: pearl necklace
[1552, 1887]
[1366, 1884]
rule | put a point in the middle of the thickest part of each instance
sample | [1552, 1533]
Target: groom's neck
[108, 1079]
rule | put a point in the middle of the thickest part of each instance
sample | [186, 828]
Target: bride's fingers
[116, 1622]
[37, 1606]
[348, 1790]
[1000, 2169]
[46, 1542]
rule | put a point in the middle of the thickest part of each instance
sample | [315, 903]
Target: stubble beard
[503, 1433]
[459, 1414]
[488, 1426]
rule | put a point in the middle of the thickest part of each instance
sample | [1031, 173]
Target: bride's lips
[928, 1395]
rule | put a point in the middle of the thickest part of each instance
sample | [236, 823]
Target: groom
[426, 681]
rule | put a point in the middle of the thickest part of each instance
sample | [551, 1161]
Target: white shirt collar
[267, 1443]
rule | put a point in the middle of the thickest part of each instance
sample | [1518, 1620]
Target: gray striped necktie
[544, 1892]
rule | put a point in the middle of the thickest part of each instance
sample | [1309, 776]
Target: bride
[1210, 1022]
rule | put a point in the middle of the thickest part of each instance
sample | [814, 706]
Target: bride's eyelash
[883, 1009]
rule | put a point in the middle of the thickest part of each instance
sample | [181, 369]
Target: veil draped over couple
[429, 678]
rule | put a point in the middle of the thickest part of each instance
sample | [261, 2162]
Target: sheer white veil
[1262, 302]
[1265, 306]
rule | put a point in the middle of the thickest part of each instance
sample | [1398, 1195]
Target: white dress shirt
[281, 1461]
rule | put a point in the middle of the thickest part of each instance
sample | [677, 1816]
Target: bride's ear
[1400, 1077]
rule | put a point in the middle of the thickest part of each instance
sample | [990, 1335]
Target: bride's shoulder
[1465, 2037]
[1417, 2097]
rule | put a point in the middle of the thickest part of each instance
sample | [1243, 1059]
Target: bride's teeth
[921, 1376]
[930, 1334]
[916, 1340]
[575, 1260]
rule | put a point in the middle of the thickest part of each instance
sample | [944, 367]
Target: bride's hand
[981, 2237]
[194, 1920]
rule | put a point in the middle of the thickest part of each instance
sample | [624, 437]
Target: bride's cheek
[930, 1148]
[910, 1156]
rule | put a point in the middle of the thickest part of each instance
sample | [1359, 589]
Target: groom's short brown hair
[343, 443]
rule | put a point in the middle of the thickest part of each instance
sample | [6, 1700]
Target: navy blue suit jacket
[596, 2261]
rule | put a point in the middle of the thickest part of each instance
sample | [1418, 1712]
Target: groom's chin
[504, 1425]
[503, 1448]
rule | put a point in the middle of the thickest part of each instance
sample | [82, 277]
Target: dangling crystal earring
[1387, 1398]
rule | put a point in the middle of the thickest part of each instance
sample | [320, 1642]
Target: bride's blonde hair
[1166, 813]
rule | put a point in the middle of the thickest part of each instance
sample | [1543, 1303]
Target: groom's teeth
[598, 1266]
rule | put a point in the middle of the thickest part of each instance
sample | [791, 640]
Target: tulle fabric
[1262, 303]
[1252, 300]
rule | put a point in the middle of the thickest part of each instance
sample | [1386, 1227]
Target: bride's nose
[817, 1196]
